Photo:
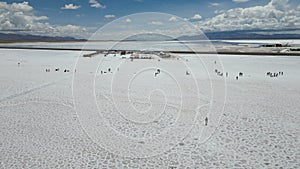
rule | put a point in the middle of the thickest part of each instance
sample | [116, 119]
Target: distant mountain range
[247, 34]
[224, 35]
[8, 37]
[149, 37]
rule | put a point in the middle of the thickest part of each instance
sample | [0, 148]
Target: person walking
[206, 121]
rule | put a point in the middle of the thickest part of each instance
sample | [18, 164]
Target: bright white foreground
[39, 127]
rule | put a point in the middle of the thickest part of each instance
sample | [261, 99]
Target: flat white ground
[39, 127]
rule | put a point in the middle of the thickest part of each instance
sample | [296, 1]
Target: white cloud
[71, 6]
[196, 17]
[109, 16]
[128, 20]
[219, 11]
[277, 14]
[240, 1]
[156, 23]
[96, 4]
[21, 16]
[40, 18]
[15, 7]
[214, 4]
[21, 7]
[173, 19]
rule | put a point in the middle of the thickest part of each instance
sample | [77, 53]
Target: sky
[81, 18]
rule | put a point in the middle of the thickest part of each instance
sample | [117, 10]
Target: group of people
[275, 74]
[108, 71]
[158, 72]
[270, 74]
[240, 75]
[57, 70]
[219, 73]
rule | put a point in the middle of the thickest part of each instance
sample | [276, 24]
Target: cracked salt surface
[40, 129]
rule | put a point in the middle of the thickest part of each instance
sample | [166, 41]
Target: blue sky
[89, 16]
[92, 14]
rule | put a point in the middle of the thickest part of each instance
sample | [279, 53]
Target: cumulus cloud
[96, 4]
[20, 7]
[128, 20]
[21, 16]
[277, 14]
[196, 17]
[219, 11]
[173, 19]
[109, 16]
[240, 1]
[214, 4]
[71, 6]
[156, 23]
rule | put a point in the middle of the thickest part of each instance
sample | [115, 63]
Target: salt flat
[42, 119]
